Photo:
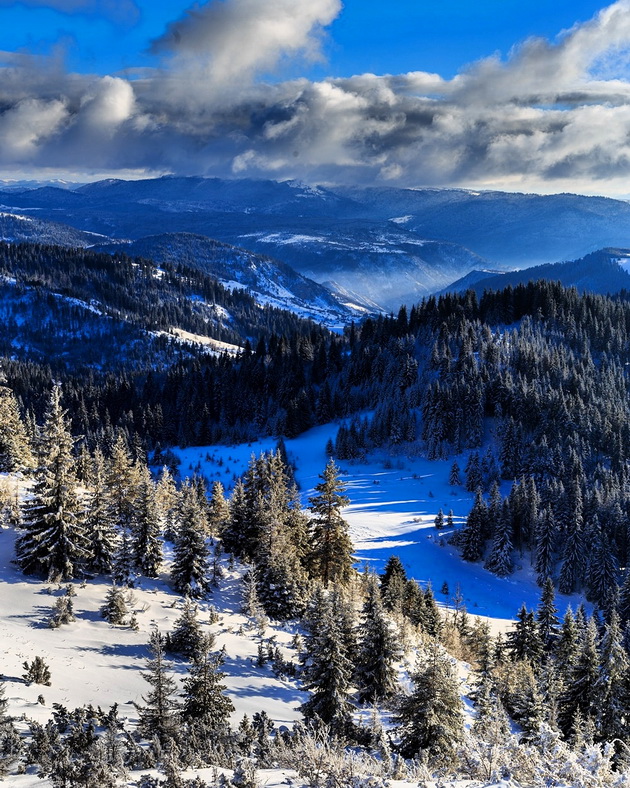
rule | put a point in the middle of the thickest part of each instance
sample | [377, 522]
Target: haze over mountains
[373, 248]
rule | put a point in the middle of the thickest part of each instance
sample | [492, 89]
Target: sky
[494, 94]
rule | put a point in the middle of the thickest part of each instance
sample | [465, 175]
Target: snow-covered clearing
[94, 662]
[393, 504]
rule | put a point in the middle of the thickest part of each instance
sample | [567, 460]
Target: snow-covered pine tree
[15, 447]
[115, 610]
[580, 694]
[54, 542]
[327, 674]
[167, 499]
[523, 642]
[145, 534]
[331, 548]
[218, 510]
[500, 559]
[472, 538]
[430, 719]
[601, 579]
[160, 716]
[234, 533]
[547, 616]
[545, 544]
[205, 701]
[99, 523]
[186, 636]
[612, 688]
[189, 570]
[394, 584]
[378, 649]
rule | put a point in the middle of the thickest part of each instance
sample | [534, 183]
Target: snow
[401, 219]
[391, 512]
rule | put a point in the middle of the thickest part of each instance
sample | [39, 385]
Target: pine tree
[327, 674]
[567, 647]
[523, 642]
[572, 570]
[205, 702]
[500, 559]
[378, 649]
[15, 449]
[454, 478]
[54, 542]
[115, 610]
[160, 716]
[476, 524]
[430, 718]
[189, 570]
[218, 510]
[602, 574]
[580, 694]
[146, 542]
[99, 524]
[186, 637]
[331, 548]
[545, 541]
[547, 616]
[167, 499]
[439, 519]
[611, 687]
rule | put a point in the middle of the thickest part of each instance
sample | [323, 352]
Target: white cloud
[554, 115]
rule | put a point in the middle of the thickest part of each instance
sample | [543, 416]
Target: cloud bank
[553, 115]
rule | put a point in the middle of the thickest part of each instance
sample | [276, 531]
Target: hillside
[604, 271]
[267, 281]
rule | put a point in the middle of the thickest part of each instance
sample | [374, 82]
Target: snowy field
[393, 504]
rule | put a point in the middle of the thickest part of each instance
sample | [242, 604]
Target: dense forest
[529, 385]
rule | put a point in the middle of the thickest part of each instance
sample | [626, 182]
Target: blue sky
[498, 94]
[368, 36]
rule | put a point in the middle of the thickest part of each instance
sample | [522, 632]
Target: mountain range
[371, 248]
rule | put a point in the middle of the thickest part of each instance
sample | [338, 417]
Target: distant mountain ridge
[605, 271]
[387, 245]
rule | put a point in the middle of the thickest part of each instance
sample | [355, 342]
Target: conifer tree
[439, 519]
[523, 642]
[572, 570]
[189, 570]
[146, 542]
[611, 688]
[547, 616]
[500, 559]
[327, 674]
[186, 637]
[54, 542]
[476, 524]
[580, 695]
[167, 499]
[160, 716]
[218, 510]
[115, 610]
[15, 448]
[567, 646]
[378, 649]
[331, 548]
[430, 718]
[100, 527]
[454, 478]
[602, 580]
[205, 702]
[545, 542]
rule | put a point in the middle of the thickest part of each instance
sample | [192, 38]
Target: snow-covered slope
[16, 227]
[269, 281]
